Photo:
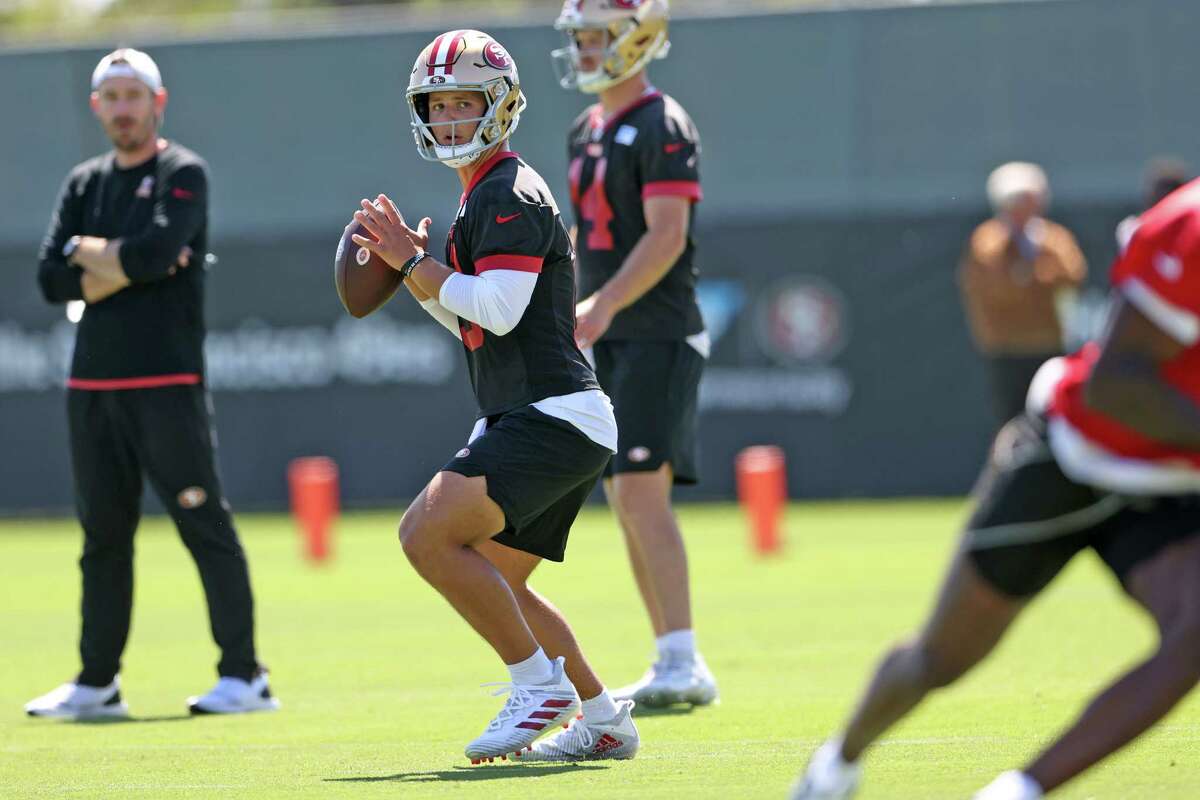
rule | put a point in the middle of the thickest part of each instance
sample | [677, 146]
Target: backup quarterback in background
[545, 429]
[1106, 457]
[126, 228]
[634, 182]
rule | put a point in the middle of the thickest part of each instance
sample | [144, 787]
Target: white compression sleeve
[494, 300]
[447, 318]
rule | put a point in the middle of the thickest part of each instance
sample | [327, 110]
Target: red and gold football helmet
[636, 34]
[465, 60]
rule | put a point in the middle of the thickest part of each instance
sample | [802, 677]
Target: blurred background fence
[845, 151]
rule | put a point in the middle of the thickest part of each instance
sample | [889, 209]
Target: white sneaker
[75, 701]
[589, 741]
[828, 776]
[1012, 785]
[670, 681]
[530, 711]
[236, 696]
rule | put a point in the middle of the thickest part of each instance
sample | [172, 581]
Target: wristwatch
[70, 247]
[411, 264]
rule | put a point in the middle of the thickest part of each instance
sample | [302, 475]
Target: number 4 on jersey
[594, 206]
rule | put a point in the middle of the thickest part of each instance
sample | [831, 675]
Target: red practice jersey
[1159, 274]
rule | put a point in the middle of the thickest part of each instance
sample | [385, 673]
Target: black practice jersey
[649, 149]
[508, 220]
[155, 326]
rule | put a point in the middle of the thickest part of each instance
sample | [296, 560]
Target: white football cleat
[828, 776]
[530, 711]
[1012, 785]
[670, 681]
[75, 701]
[236, 696]
[590, 741]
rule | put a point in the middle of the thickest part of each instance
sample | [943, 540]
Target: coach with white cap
[128, 238]
[1019, 277]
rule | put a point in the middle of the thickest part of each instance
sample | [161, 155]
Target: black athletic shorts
[540, 471]
[1030, 519]
[653, 386]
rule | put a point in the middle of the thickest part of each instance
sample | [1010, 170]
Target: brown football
[364, 280]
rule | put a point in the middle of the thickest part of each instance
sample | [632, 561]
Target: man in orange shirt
[1019, 278]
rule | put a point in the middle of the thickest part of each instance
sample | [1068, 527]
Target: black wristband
[411, 264]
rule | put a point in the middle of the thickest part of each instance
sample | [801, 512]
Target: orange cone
[313, 484]
[762, 491]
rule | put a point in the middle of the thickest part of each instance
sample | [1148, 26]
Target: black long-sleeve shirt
[153, 328]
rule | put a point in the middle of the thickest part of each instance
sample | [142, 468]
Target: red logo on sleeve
[501, 220]
[674, 147]
[182, 194]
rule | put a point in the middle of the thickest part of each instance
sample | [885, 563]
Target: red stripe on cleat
[543, 715]
[557, 704]
[533, 726]
[606, 743]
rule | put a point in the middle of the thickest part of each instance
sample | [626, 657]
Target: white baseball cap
[1009, 181]
[125, 62]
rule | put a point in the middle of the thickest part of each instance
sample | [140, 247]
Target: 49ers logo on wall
[802, 319]
[495, 56]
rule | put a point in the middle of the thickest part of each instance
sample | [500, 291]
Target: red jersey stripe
[688, 189]
[484, 169]
[617, 116]
[505, 261]
[146, 382]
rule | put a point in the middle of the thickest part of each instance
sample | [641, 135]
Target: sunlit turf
[379, 678]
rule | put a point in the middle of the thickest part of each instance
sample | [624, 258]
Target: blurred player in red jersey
[1107, 457]
[634, 173]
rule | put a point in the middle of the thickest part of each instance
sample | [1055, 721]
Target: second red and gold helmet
[636, 34]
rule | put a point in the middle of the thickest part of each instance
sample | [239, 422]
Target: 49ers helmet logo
[495, 56]
[625, 3]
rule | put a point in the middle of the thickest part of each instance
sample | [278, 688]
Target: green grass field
[379, 678]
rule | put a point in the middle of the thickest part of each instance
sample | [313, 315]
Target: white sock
[680, 643]
[535, 669]
[1012, 785]
[600, 708]
[834, 748]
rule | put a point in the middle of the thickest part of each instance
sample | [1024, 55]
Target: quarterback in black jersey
[634, 180]
[545, 430]
[127, 225]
